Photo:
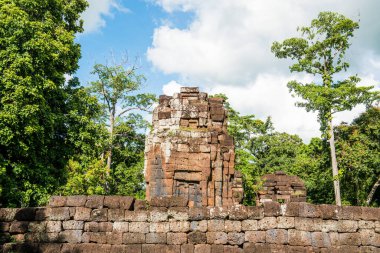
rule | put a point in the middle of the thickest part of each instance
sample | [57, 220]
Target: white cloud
[226, 48]
[171, 87]
[94, 16]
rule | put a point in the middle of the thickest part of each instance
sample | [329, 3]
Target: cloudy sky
[223, 46]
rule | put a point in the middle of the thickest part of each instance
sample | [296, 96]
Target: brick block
[366, 224]
[114, 237]
[349, 239]
[271, 208]
[215, 225]
[347, 226]
[232, 226]
[320, 240]
[197, 237]
[179, 226]
[116, 215]
[99, 214]
[285, 222]
[95, 201]
[153, 248]
[82, 213]
[198, 213]
[159, 227]
[159, 238]
[72, 225]
[156, 216]
[57, 201]
[136, 216]
[59, 213]
[139, 227]
[105, 227]
[305, 224]
[277, 236]
[215, 248]
[133, 238]
[53, 226]
[218, 212]
[139, 205]
[77, 200]
[25, 214]
[249, 225]
[255, 212]
[255, 236]
[238, 212]
[41, 214]
[70, 236]
[297, 237]
[330, 211]
[202, 248]
[178, 213]
[112, 202]
[235, 238]
[176, 238]
[292, 209]
[350, 213]
[217, 237]
[19, 227]
[329, 226]
[91, 226]
[187, 248]
[267, 223]
[370, 213]
[120, 226]
[36, 226]
[128, 203]
[368, 237]
[97, 237]
[309, 210]
[198, 226]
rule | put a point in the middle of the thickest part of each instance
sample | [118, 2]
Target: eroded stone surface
[283, 188]
[189, 152]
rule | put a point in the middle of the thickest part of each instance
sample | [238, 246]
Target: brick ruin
[189, 152]
[282, 188]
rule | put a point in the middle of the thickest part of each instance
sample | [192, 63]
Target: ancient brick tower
[189, 153]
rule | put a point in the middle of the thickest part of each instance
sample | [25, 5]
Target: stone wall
[120, 224]
[189, 152]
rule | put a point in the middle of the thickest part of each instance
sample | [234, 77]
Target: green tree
[320, 51]
[358, 153]
[116, 87]
[37, 49]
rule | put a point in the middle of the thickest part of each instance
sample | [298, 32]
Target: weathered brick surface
[179, 229]
[189, 155]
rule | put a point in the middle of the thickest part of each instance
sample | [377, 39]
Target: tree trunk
[372, 192]
[334, 164]
[109, 158]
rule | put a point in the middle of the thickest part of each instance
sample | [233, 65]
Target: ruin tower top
[189, 153]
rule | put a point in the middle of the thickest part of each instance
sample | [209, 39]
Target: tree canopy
[320, 51]
[37, 50]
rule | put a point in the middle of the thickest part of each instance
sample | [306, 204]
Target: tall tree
[320, 51]
[37, 49]
[116, 87]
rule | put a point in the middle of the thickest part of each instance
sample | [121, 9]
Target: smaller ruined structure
[189, 153]
[282, 188]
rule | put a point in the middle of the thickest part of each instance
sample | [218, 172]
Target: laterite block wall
[122, 224]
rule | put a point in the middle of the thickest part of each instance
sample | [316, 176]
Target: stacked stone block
[282, 188]
[99, 227]
[189, 152]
